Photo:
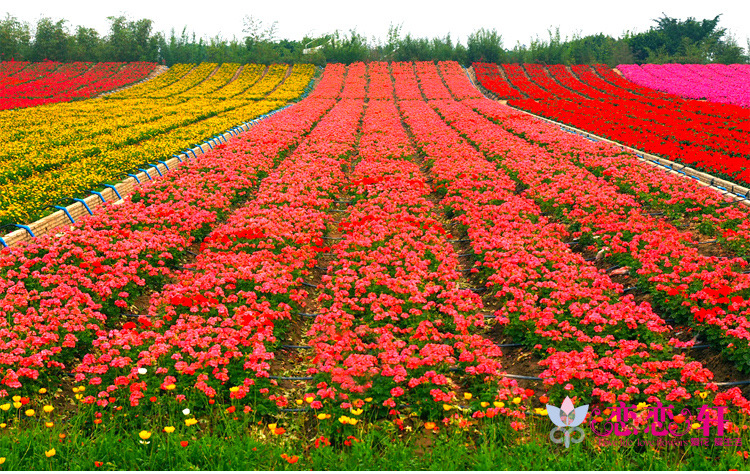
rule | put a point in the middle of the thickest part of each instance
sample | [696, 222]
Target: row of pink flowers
[724, 83]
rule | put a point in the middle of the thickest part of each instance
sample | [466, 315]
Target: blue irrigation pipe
[149, 176]
[193, 152]
[728, 384]
[65, 210]
[157, 168]
[2, 241]
[20, 226]
[113, 189]
[178, 158]
[164, 163]
[134, 176]
[199, 146]
[84, 204]
[98, 194]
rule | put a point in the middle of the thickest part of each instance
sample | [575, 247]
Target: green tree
[86, 45]
[50, 41]
[15, 39]
[131, 40]
[485, 45]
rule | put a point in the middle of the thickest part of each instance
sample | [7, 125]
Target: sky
[516, 21]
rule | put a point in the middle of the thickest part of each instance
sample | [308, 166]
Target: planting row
[395, 328]
[708, 136]
[726, 83]
[63, 291]
[28, 85]
[636, 364]
[66, 149]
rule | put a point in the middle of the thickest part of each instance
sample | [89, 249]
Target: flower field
[705, 135]
[726, 83]
[50, 153]
[31, 84]
[395, 272]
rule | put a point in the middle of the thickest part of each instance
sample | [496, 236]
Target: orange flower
[429, 425]
[98, 463]
[679, 418]
[279, 431]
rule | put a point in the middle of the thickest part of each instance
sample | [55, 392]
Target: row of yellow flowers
[50, 152]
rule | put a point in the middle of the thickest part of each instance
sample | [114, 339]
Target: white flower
[142, 370]
[186, 411]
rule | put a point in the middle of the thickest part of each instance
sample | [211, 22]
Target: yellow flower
[169, 429]
[353, 421]
[17, 398]
[484, 404]
[17, 405]
[641, 406]
[695, 426]
[29, 412]
[3, 425]
[79, 396]
[272, 426]
[48, 408]
[190, 421]
[49, 424]
[343, 419]
[50, 453]
[368, 399]
[234, 389]
[467, 396]
[144, 435]
[2, 460]
[517, 400]
[309, 399]
[703, 395]
[356, 412]
[447, 407]
[498, 404]
[540, 411]
[42, 391]
[429, 425]
[299, 402]
[171, 386]
[324, 416]
[5, 407]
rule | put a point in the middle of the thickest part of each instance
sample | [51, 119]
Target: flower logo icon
[566, 418]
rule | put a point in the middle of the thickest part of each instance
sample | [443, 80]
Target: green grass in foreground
[224, 441]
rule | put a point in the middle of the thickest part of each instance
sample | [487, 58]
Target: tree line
[667, 40]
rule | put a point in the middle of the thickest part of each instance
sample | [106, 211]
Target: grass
[234, 441]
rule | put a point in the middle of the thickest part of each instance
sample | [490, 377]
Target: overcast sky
[515, 20]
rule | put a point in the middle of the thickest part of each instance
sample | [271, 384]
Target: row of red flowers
[551, 296]
[395, 326]
[709, 293]
[709, 136]
[49, 82]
